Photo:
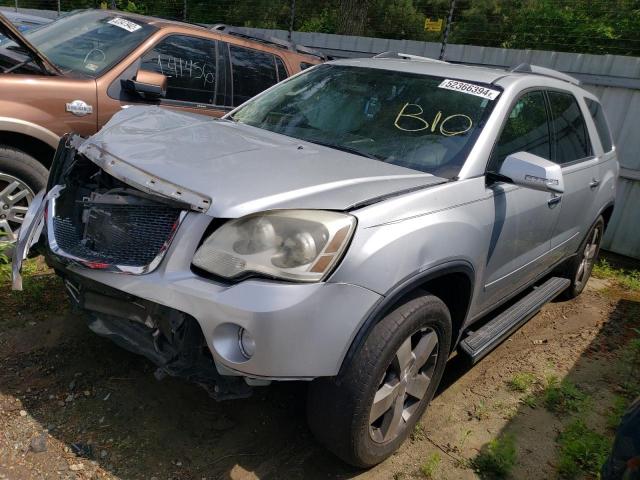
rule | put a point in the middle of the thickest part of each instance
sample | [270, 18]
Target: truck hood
[10, 31]
[227, 169]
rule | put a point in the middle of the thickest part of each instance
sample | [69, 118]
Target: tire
[31, 177]
[579, 268]
[340, 409]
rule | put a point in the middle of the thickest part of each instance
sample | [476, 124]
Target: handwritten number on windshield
[412, 113]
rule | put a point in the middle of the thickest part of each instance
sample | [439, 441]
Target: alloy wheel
[15, 198]
[589, 256]
[403, 385]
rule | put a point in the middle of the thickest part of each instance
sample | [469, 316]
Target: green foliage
[430, 466]
[521, 382]
[418, 433]
[496, 459]
[629, 279]
[614, 416]
[563, 397]
[582, 450]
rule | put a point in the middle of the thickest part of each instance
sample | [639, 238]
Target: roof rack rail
[273, 41]
[407, 56]
[547, 72]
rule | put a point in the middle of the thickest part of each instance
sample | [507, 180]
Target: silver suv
[350, 226]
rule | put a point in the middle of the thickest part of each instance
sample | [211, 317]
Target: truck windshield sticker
[409, 119]
[127, 25]
[470, 88]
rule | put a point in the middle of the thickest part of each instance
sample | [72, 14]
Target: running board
[479, 343]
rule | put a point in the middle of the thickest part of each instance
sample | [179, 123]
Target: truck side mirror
[147, 84]
[531, 171]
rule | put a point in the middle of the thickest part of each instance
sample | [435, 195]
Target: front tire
[21, 177]
[365, 413]
[580, 267]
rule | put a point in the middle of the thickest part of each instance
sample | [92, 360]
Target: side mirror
[147, 84]
[531, 171]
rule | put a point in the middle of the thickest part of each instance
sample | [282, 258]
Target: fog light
[247, 343]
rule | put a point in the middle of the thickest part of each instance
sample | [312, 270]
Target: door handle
[594, 183]
[553, 201]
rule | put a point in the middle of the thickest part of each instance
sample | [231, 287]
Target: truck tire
[364, 414]
[28, 175]
[579, 268]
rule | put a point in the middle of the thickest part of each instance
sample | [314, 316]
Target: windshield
[89, 42]
[407, 119]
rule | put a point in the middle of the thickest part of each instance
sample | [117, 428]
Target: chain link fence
[583, 26]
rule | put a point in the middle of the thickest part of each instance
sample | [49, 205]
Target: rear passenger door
[253, 71]
[573, 151]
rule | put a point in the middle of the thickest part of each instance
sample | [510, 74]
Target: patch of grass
[582, 450]
[430, 467]
[496, 459]
[629, 279]
[418, 433]
[614, 416]
[530, 400]
[480, 411]
[521, 382]
[563, 396]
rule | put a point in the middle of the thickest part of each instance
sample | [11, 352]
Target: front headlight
[302, 245]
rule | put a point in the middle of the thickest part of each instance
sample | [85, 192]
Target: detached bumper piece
[171, 339]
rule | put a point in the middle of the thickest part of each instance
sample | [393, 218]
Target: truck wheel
[579, 268]
[364, 414]
[21, 176]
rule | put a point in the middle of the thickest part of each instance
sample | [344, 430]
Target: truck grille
[104, 235]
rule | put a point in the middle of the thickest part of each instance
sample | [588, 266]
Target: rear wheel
[366, 413]
[580, 267]
[21, 176]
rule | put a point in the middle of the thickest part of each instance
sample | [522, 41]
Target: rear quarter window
[602, 127]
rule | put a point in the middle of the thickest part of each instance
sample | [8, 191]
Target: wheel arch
[29, 138]
[452, 282]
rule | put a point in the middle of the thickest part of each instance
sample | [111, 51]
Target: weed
[614, 416]
[464, 438]
[530, 400]
[480, 411]
[430, 467]
[418, 433]
[629, 279]
[581, 450]
[521, 382]
[563, 397]
[497, 458]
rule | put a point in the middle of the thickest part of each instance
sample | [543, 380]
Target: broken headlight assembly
[298, 245]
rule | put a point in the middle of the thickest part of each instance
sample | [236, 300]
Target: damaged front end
[96, 221]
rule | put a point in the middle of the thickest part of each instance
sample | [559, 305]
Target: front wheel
[365, 413]
[580, 267]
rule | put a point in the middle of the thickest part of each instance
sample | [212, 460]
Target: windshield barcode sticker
[470, 88]
[127, 25]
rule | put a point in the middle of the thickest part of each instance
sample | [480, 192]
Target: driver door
[524, 219]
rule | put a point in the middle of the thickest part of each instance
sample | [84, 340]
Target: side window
[305, 65]
[189, 63]
[571, 140]
[253, 71]
[282, 71]
[526, 130]
[597, 113]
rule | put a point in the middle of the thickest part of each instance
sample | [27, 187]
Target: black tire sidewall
[339, 408]
[24, 167]
[575, 288]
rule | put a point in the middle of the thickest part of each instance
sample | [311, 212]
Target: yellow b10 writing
[411, 113]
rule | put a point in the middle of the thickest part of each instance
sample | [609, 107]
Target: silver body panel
[411, 223]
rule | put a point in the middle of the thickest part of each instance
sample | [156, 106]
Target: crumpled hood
[228, 169]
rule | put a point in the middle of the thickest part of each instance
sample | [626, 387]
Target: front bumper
[300, 330]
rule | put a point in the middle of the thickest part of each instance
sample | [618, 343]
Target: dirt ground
[73, 405]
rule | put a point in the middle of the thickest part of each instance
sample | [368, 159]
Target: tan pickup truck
[73, 74]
